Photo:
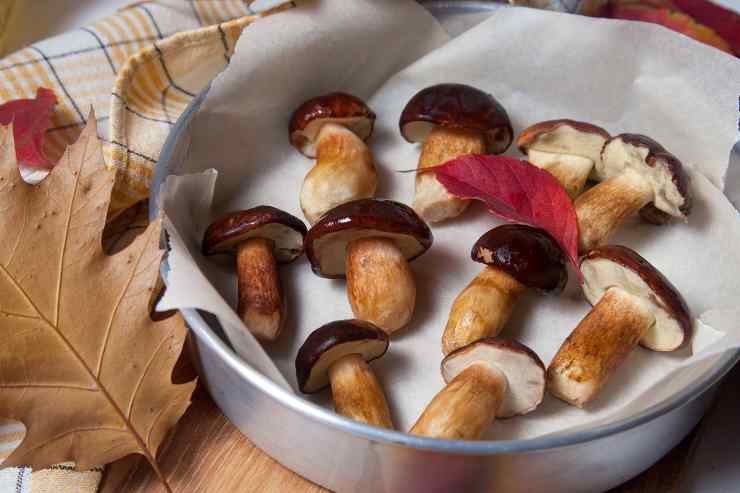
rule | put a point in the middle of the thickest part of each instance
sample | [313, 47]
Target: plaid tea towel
[138, 69]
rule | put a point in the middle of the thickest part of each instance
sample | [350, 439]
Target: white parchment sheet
[627, 77]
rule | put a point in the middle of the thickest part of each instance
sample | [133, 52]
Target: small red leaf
[516, 191]
[30, 118]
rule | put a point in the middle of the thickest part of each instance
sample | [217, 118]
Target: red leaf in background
[30, 118]
[516, 191]
[724, 21]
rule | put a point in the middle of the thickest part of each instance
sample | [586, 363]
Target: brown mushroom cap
[326, 242]
[527, 254]
[619, 266]
[663, 170]
[329, 343]
[264, 221]
[524, 371]
[457, 106]
[337, 107]
[564, 136]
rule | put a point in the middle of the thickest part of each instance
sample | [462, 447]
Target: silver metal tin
[345, 455]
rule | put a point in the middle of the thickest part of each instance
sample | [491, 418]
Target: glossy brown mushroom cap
[337, 107]
[673, 195]
[326, 242]
[528, 254]
[564, 136]
[457, 106]
[619, 266]
[331, 342]
[264, 221]
[523, 369]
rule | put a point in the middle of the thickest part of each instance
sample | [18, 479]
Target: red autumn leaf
[723, 21]
[516, 191]
[30, 118]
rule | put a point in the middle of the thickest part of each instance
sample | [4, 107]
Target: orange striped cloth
[138, 69]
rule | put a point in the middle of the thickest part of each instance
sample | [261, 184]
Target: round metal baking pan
[342, 454]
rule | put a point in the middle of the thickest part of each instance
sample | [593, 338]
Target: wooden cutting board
[207, 454]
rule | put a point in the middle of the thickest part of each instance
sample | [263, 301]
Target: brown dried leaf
[82, 365]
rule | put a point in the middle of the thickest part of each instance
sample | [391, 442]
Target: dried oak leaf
[82, 365]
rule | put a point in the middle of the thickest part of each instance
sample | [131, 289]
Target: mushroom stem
[571, 171]
[466, 406]
[344, 171]
[431, 199]
[261, 304]
[481, 309]
[380, 284]
[357, 393]
[598, 346]
[602, 209]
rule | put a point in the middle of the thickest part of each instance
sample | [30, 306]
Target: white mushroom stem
[571, 171]
[604, 207]
[466, 406]
[431, 199]
[261, 304]
[344, 171]
[598, 346]
[481, 309]
[357, 393]
[380, 284]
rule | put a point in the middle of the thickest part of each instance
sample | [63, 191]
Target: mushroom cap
[337, 107]
[457, 106]
[529, 255]
[524, 371]
[326, 242]
[264, 221]
[329, 343]
[663, 170]
[564, 136]
[619, 266]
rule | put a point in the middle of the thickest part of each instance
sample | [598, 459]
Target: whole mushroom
[637, 174]
[261, 238]
[488, 379]
[517, 257]
[632, 303]
[451, 120]
[336, 355]
[568, 149]
[370, 242]
[333, 128]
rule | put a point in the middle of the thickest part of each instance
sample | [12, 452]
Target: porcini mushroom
[568, 149]
[451, 120]
[333, 128]
[337, 354]
[632, 303]
[516, 257]
[488, 379]
[370, 242]
[638, 175]
[261, 238]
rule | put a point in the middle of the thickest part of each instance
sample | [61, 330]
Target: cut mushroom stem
[432, 200]
[481, 309]
[333, 128]
[451, 120]
[260, 238]
[261, 305]
[571, 171]
[489, 379]
[380, 285]
[633, 304]
[465, 407]
[603, 208]
[357, 393]
[337, 355]
[517, 257]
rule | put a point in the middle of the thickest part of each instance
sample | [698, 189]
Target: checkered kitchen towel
[138, 68]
